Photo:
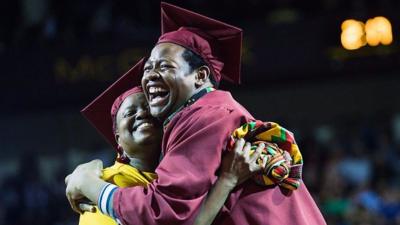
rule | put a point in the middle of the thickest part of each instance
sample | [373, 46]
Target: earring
[122, 158]
[119, 149]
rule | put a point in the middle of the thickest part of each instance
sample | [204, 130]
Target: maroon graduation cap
[98, 112]
[218, 43]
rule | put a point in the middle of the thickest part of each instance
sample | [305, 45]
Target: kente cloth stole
[190, 101]
[281, 159]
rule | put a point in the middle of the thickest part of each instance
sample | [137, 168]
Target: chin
[148, 140]
[160, 112]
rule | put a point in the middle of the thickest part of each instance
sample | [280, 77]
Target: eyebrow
[161, 60]
[129, 108]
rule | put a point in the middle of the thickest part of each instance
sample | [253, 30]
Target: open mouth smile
[143, 125]
[158, 95]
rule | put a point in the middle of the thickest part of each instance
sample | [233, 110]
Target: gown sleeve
[192, 155]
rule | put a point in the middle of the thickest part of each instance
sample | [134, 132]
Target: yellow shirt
[122, 175]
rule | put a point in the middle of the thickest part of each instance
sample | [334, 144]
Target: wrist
[228, 180]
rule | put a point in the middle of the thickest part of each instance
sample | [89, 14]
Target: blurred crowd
[351, 169]
[30, 23]
[27, 199]
[351, 165]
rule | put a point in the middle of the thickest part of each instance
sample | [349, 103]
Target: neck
[197, 94]
[142, 165]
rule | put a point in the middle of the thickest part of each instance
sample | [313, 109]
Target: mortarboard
[99, 112]
[218, 43]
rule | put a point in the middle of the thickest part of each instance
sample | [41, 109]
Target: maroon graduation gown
[192, 146]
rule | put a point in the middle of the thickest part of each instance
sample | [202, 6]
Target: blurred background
[342, 105]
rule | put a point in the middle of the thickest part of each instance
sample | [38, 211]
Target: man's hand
[240, 163]
[84, 182]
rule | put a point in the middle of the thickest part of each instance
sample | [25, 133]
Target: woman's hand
[240, 163]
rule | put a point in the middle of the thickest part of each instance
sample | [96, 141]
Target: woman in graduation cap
[198, 119]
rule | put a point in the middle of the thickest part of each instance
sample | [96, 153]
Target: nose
[142, 114]
[151, 76]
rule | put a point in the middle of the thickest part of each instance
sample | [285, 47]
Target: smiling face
[137, 132]
[168, 81]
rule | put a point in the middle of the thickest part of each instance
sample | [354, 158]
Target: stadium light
[356, 34]
[353, 35]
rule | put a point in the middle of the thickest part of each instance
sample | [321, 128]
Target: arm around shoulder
[187, 171]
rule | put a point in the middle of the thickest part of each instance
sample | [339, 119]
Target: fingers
[71, 200]
[257, 153]
[68, 194]
[246, 151]
[98, 163]
[67, 178]
[74, 204]
[98, 166]
[73, 180]
[264, 162]
[238, 148]
[87, 207]
[253, 163]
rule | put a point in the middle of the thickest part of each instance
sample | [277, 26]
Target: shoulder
[215, 111]
[215, 105]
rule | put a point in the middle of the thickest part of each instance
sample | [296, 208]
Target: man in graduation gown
[197, 123]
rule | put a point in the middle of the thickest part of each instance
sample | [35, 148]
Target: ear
[202, 76]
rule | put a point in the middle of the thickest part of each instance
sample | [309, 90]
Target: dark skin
[168, 71]
[138, 133]
[168, 82]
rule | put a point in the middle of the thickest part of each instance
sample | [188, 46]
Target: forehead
[167, 51]
[133, 101]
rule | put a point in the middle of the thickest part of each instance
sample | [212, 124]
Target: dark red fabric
[98, 111]
[188, 38]
[192, 145]
[218, 43]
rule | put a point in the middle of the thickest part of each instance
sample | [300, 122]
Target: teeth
[144, 124]
[153, 90]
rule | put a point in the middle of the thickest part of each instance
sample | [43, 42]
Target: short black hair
[195, 61]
